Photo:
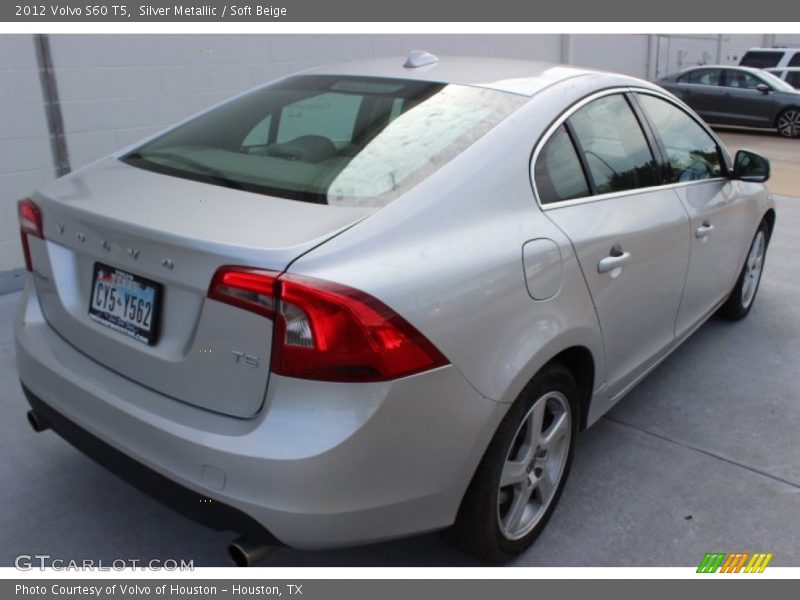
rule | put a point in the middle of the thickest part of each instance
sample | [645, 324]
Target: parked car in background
[764, 58]
[382, 298]
[790, 75]
[738, 96]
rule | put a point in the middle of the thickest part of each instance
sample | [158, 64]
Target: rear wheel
[743, 295]
[788, 123]
[520, 479]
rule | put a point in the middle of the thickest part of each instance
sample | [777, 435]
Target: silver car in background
[383, 298]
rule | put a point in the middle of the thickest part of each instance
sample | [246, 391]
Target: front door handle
[616, 259]
[704, 229]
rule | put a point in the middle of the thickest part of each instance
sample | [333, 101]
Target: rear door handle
[704, 229]
[614, 261]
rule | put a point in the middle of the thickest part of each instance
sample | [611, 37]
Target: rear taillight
[326, 331]
[30, 223]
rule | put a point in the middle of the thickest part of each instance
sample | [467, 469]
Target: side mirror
[763, 88]
[749, 166]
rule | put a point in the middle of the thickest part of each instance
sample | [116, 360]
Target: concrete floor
[783, 153]
[703, 456]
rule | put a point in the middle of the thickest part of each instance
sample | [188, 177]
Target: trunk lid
[175, 233]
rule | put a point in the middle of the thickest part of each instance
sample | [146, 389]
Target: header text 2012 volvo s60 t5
[381, 299]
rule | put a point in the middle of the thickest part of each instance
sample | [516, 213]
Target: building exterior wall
[25, 158]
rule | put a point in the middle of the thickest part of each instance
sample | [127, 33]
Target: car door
[720, 220]
[630, 236]
[742, 103]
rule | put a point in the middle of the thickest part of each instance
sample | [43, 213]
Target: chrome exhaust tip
[246, 553]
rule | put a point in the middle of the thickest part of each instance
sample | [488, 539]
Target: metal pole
[52, 106]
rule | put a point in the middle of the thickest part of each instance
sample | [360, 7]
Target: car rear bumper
[322, 465]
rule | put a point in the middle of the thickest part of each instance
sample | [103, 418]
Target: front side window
[354, 141]
[741, 79]
[701, 77]
[615, 149]
[558, 173]
[692, 153]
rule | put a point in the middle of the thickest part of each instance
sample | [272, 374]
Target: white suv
[790, 75]
[766, 58]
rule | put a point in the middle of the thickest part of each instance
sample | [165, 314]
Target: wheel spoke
[558, 428]
[535, 420]
[746, 284]
[518, 504]
[514, 472]
[544, 488]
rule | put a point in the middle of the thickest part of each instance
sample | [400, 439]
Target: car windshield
[351, 141]
[777, 83]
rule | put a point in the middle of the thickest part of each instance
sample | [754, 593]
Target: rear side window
[615, 150]
[558, 173]
[741, 79]
[701, 77]
[795, 60]
[352, 141]
[761, 59]
[692, 153]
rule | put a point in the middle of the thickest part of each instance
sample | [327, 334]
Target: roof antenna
[420, 58]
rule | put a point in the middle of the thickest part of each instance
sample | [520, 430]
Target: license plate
[125, 302]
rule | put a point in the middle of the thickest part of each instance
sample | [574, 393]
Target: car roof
[780, 69]
[753, 70]
[521, 77]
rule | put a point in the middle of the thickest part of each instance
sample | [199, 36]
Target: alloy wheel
[789, 123]
[534, 465]
[752, 269]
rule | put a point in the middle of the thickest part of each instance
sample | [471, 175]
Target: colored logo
[738, 562]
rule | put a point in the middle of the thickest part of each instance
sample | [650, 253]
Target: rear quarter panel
[448, 257]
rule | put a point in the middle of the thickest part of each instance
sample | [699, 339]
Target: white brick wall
[25, 159]
[116, 89]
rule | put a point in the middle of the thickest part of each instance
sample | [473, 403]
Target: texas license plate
[125, 302]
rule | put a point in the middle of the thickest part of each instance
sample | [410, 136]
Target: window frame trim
[566, 114]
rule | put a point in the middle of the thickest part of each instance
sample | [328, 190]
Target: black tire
[477, 529]
[788, 122]
[738, 306]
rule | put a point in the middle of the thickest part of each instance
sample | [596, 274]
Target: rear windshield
[328, 139]
[761, 59]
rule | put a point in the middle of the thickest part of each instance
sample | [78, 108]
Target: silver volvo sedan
[384, 298]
